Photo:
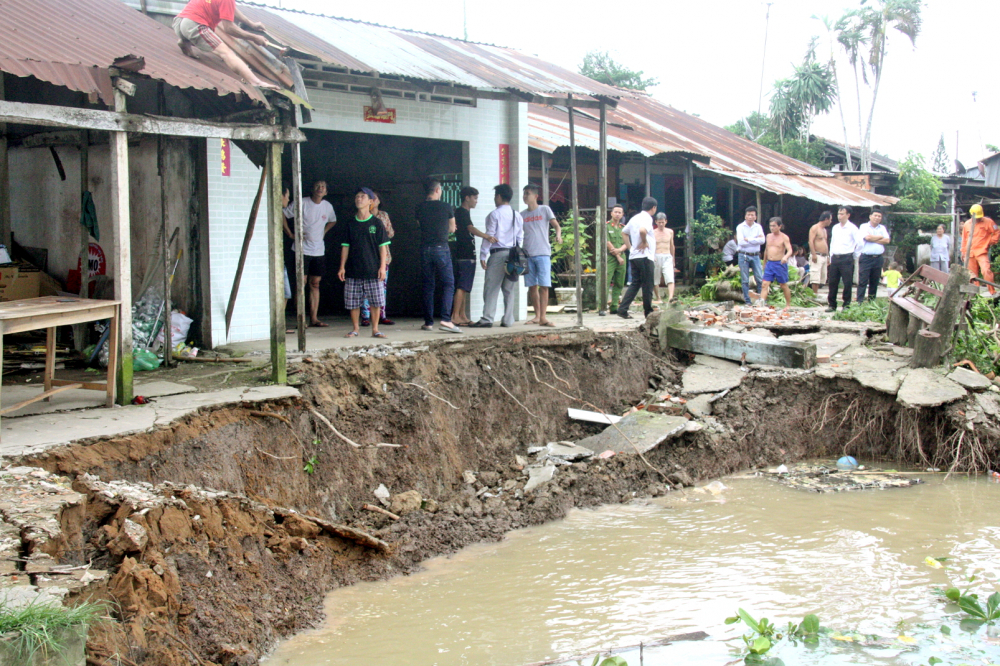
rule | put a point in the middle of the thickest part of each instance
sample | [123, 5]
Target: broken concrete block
[405, 503]
[736, 346]
[969, 379]
[926, 388]
[700, 406]
[470, 477]
[538, 476]
[711, 376]
[988, 404]
[569, 451]
[644, 429]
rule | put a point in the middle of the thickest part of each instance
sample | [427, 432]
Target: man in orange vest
[986, 234]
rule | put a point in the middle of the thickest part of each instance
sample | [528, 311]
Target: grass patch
[39, 628]
[875, 311]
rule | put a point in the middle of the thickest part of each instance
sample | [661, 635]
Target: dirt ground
[221, 534]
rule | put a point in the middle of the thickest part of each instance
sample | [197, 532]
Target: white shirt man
[845, 239]
[749, 237]
[872, 239]
[641, 242]
[639, 221]
[845, 246]
[317, 219]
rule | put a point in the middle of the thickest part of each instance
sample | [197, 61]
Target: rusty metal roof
[375, 49]
[657, 129]
[72, 43]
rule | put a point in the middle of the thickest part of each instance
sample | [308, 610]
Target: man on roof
[198, 25]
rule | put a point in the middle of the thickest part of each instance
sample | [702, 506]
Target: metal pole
[576, 213]
[600, 247]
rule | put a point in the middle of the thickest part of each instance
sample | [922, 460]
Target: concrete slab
[568, 451]
[969, 379]
[833, 343]
[79, 398]
[988, 404]
[705, 378]
[737, 346]
[700, 406]
[644, 429]
[879, 373]
[926, 388]
[33, 434]
[539, 475]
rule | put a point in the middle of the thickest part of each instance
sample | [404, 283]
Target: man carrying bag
[506, 225]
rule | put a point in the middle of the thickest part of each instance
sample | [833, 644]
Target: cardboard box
[17, 284]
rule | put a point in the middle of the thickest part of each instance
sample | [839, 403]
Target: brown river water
[626, 574]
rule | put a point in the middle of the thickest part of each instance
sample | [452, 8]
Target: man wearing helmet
[985, 235]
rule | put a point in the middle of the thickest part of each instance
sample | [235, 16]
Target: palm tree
[900, 15]
[831, 27]
[851, 38]
[812, 88]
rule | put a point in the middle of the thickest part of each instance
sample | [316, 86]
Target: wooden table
[48, 312]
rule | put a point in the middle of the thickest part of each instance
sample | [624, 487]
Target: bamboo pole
[601, 243]
[576, 214]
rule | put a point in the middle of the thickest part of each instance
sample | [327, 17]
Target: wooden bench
[907, 315]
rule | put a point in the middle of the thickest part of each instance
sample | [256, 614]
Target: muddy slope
[225, 573]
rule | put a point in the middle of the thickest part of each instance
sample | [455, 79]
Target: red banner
[387, 116]
[226, 158]
[505, 163]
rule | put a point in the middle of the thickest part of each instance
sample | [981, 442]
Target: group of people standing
[640, 255]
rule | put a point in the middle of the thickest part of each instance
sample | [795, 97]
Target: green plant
[980, 341]
[600, 66]
[875, 311]
[708, 235]
[969, 603]
[310, 467]
[565, 252]
[764, 634]
[40, 628]
[802, 295]
[918, 189]
[610, 661]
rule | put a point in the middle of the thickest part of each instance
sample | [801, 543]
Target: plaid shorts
[356, 291]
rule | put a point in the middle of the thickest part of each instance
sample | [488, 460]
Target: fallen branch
[272, 415]
[344, 532]
[276, 457]
[428, 392]
[512, 395]
[378, 509]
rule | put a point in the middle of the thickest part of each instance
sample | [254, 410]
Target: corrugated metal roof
[72, 43]
[370, 48]
[659, 129]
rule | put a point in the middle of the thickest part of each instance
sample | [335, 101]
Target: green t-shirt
[615, 237]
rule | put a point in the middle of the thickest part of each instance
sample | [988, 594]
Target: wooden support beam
[276, 265]
[647, 177]
[301, 322]
[80, 330]
[545, 178]
[601, 253]
[4, 178]
[689, 213]
[48, 115]
[578, 268]
[121, 254]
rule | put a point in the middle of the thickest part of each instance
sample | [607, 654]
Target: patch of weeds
[610, 661]
[41, 628]
[876, 311]
[764, 635]
[310, 466]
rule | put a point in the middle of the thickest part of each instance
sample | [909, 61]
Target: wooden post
[275, 263]
[896, 325]
[647, 176]
[760, 210]
[954, 226]
[167, 263]
[300, 266]
[4, 180]
[80, 330]
[601, 243]
[545, 178]
[929, 350]
[576, 213]
[121, 254]
[689, 213]
[732, 208]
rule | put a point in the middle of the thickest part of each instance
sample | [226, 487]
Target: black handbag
[517, 260]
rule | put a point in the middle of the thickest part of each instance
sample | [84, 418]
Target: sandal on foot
[378, 334]
[352, 334]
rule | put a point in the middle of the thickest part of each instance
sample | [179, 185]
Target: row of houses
[96, 97]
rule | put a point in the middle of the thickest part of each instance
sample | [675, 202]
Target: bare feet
[266, 85]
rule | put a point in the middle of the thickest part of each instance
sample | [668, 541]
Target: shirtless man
[664, 258]
[777, 252]
[819, 251]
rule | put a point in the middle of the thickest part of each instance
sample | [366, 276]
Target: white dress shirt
[641, 220]
[750, 238]
[845, 239]
[506, 225]
[869, 247]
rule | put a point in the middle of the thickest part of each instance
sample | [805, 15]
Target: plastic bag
[143, 359]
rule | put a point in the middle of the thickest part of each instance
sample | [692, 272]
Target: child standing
[892, 276]
[363, 257]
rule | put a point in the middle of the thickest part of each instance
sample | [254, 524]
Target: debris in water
[716, 487]
[823, 479]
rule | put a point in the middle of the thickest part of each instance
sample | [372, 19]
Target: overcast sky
[707, 56]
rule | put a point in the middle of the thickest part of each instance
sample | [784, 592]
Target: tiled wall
[482, 128]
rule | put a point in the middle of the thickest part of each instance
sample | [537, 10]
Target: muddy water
[625, 574]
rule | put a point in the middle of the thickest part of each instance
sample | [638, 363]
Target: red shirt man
[210, 12]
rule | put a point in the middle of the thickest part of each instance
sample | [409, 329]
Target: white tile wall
[482, 128]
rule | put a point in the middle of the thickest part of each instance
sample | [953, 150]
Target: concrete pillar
[276, 264]
[121, 254]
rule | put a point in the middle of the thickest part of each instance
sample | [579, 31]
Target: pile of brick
[752, 316]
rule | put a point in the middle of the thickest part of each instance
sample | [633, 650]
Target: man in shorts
[777, 251]
[664, 258]
[537, 220]
[319, 218]
[363, 256]
[819, 251]
[463, 254]
[198, 25]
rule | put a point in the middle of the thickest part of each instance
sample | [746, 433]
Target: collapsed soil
[237, 505]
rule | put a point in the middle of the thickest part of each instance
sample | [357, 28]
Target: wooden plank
[121, 253]
[36, 322]
[50, 357]
[928, 350]
[45, 395]
[923, 286]
[90, 386]
[112, 376]
[918, 310]
[276, 265]
[48, 115]
[934, 274]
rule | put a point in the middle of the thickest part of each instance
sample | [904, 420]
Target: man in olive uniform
[617, 264]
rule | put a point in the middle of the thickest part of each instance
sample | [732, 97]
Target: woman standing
[940, 250]
[365, 309]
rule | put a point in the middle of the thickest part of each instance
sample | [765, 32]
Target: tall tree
[600, 66]
[877, 20]
[831, 27]
[852, 39]
[939, 160]
[797, 100]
